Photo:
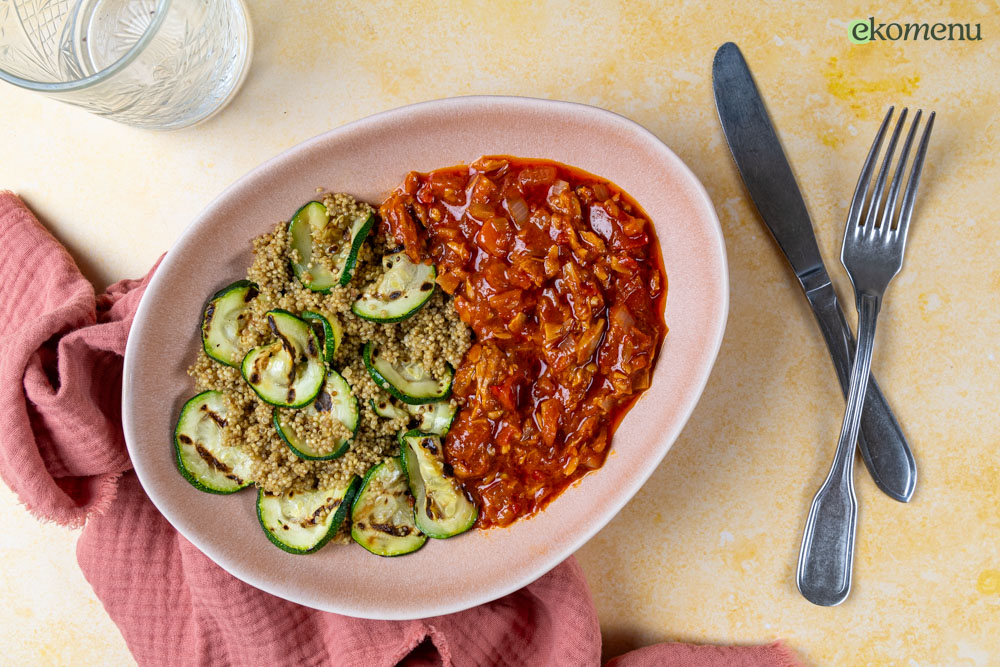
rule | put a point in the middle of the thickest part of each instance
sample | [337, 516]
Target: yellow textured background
[706, 552]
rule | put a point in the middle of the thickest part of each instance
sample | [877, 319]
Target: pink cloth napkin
[63, 453]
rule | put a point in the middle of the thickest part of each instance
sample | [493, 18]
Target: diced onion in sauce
[518, 209]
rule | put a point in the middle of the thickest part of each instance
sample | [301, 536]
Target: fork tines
[872, 209]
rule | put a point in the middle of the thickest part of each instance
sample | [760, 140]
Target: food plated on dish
[370, 159]
[463, 353]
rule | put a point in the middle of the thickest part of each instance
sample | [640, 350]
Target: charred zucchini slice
[435, 418]
[311, 219]
[403, 290]
[335, 399]
[441, 508]
[347, 256]
[202, 457]
[303, 522]
[409, 382]
[328, 330]
[382, 515]
[224, 319]
[385, 408]
[288, 371]
[306, 225]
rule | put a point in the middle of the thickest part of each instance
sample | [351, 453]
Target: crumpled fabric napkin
[63, 453]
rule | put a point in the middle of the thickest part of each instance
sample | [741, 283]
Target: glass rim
[78, 84]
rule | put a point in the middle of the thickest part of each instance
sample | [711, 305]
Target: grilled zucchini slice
[382, 515]
[403, 290]
[385, 408]
[202, 457]
[303, 522]
[308, 223]
[441, 507]
[435, 418]
[288, 371]
[409, 382]
[328, 331]
[335, 397]
[309, 219]
[224, 320]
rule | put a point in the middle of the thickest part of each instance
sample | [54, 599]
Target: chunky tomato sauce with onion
[558, 274]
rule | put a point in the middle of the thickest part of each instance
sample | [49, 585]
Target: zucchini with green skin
[311, 217]
[303, 522]
[288, 371]
[385, 408]
[310, 221]
[335, 396]
[224, 319]
[202, 458]
[441, 507]
[409, 383]
[403, 290]
[328, 330]
[435, 418]
[382, 515]
[348, 256]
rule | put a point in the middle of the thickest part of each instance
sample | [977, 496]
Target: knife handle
[883, 445]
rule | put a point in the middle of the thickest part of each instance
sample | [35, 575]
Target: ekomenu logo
[862, 31]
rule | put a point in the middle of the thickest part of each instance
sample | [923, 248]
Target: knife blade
[771, 184]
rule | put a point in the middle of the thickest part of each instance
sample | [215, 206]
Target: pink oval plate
[368, 158]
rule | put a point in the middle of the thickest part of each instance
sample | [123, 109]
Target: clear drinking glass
[155, 64]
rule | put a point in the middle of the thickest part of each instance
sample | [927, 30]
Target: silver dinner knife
[769, 180]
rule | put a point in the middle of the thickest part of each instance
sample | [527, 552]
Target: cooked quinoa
[433, 337]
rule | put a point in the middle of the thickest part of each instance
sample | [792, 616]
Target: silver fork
[874, 240]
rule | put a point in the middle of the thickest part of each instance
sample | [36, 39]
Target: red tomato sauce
[559, 275]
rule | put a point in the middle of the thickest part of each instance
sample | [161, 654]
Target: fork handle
[827, 555]
[883, 445]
